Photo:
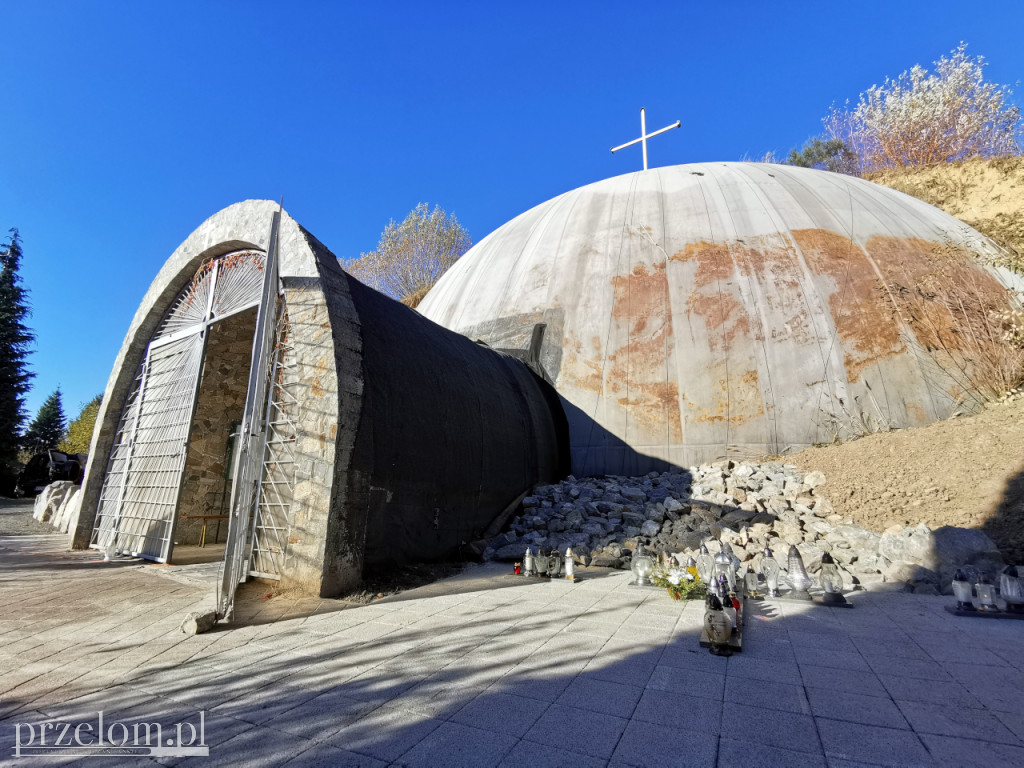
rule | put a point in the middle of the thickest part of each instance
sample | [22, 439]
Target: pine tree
[80, 429]
[15, 342]
[48, 428]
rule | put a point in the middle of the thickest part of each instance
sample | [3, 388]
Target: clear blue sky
[125, 125]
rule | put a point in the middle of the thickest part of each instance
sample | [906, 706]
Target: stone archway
[145, 476]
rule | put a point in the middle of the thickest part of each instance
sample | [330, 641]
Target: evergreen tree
[15, 341]
[80, 429]
[48, 428]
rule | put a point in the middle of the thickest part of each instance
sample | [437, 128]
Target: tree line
[50, 428]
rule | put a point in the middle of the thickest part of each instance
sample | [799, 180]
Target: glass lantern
[704, 564]
[1011, 587]
[554, 564]
[723, 569]
[770, 570]
[718, 627]
[962, 590]
[986, 594]
[691, 567]
[751, 584]
[570, 565]
[831, 580]
[642, 567]
[529, 566]
[540, 562]
[731, 611]
[798, 578]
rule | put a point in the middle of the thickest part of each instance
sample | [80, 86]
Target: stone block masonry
[206, 488]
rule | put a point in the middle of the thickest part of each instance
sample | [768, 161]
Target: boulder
[736, 516]
[655, 512]
[650, 528]
[511, 552]
[690, 540]
[911, 574]
[672, 504]
[911, 545]
[941, 551]
[39, 510]
[814, 479]
[863, 541]
[634, 494]
[954, 547]
[55, 493]
[68, 509]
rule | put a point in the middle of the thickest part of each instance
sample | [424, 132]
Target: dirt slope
[987, 194]
[967, 472]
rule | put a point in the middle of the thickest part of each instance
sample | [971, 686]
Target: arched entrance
[213, 369]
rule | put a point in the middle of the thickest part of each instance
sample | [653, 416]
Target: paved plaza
[487, 669]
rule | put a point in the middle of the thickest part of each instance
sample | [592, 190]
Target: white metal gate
[245, 519]
[138, 501]
[271, 525]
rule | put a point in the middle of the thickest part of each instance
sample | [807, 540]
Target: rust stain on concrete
[939, 292]
[917, 413]
[724, 317]
[713, 260]
[650, 404]
[317, 388]
[640, 367]
[772, 263]
[861, 314]
[735, 400]
[584, 372]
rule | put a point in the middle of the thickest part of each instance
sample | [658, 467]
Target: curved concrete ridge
[244, 225]
[715, 309]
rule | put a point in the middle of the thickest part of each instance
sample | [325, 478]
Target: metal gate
[138, 502]
[271, 525]
[245, 517]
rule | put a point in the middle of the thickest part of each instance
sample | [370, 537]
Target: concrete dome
[726, 309]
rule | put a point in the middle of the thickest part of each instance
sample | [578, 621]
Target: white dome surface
[708, 310]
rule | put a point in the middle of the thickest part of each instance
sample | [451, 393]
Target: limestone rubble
[749, 505]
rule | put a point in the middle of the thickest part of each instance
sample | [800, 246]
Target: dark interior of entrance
[206, 482]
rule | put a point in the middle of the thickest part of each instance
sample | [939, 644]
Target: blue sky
[127, 124]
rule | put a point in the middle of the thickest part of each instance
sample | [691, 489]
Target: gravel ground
[16, 519]
[966, 472]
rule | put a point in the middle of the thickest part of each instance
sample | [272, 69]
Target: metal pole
[643, 134]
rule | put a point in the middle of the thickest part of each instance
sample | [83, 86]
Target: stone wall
[206, 490]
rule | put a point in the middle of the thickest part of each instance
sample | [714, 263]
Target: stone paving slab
[485, 669]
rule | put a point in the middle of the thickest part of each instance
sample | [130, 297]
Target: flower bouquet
[680, 584]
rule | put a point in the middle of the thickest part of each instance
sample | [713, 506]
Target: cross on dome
[644, 135]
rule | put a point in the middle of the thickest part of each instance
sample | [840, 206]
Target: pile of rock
[751, 506]
[58, 503]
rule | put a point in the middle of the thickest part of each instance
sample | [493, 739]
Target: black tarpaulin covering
[450, 434]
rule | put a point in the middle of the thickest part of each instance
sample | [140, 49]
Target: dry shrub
[413, 299]
[972, 332]
[925, 117]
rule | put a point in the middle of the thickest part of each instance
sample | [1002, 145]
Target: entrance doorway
[192, 450]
